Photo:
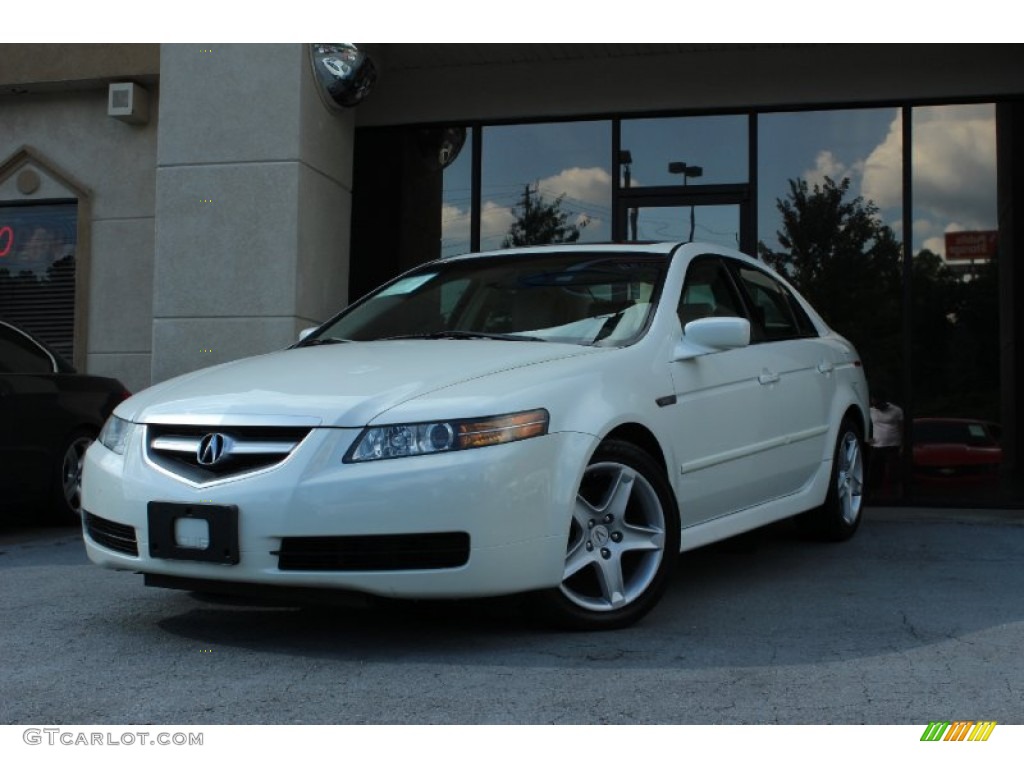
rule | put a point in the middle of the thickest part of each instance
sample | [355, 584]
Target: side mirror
[712, 334]
[305, 332]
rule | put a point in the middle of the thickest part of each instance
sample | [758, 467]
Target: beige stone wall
[253, 198]
[217, 230]
[115, 164]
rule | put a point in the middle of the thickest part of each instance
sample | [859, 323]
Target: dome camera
[439, 147]
[344, 75]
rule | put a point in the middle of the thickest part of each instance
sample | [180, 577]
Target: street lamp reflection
[688, 172]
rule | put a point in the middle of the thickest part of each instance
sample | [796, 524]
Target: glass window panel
[716, 144]
[771, 305]
[564, 170]
[717, 224]
[863, 145]
[830, 220]
[956, 305]
[37, 271]
[457, 201]
[708, 292]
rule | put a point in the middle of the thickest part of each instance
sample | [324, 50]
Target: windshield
[576, 298]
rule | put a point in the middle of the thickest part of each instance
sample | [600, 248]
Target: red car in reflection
[956, 450]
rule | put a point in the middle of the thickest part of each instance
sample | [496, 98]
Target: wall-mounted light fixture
[128, 102]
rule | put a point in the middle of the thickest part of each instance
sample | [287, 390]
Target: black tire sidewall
[58, 511]
[826, 523]
[555, 608]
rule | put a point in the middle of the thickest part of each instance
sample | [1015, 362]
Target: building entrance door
[723, 218]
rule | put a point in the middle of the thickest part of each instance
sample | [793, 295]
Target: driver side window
[708, 292]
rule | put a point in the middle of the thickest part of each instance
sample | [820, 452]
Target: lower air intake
[402, 552]
[115, 536]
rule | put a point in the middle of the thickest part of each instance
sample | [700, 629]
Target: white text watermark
[71, 738]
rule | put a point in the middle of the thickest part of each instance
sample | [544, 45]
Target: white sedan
[560, 421]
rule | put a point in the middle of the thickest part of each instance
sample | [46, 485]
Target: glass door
[721, 216]
[717, 224]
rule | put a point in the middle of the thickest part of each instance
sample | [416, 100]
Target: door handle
[825, 367]
[767, 377]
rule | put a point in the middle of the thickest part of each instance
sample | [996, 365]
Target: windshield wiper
[325, 340]
[466, 335]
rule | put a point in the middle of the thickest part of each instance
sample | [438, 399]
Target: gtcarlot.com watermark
[72, 738]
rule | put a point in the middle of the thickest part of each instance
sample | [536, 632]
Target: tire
[839, 517]
[66, 490]
[622, 546]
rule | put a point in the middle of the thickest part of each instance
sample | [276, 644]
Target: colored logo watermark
[958, 730]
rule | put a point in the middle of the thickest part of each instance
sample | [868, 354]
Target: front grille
[401, 552]
[115, 536]
[176, 448]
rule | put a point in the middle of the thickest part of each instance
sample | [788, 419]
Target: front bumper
[512, 501]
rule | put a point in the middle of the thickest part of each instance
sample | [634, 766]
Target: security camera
[440, 146]
[344, 75]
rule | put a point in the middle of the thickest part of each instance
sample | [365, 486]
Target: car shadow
[60, 545]
[766, 598]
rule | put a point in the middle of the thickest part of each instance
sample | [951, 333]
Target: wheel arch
[642, 438]
[857, 415]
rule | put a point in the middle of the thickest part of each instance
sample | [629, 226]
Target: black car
[49, 414]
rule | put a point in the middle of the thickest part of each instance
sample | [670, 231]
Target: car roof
[665, 248]
[62, 365]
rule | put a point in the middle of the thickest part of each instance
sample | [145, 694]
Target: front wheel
[66, 490]
[622, 546]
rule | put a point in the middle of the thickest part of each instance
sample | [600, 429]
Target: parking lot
[920, 617]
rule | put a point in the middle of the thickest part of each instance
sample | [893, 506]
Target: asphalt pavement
[919, 618]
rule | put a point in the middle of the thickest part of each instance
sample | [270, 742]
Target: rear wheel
[622, 546]
[839, 517]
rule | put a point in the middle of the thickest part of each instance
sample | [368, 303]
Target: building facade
[168, 207]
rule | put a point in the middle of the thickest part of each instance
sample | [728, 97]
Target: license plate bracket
[164, 529]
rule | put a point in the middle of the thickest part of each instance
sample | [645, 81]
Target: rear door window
[777, 315]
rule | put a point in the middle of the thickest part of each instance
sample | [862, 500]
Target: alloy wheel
[850, 478]
[71, 473]
[616, 539]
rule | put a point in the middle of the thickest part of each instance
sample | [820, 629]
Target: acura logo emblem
[213, 448]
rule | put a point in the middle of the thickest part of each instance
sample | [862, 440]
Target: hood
[341, 385]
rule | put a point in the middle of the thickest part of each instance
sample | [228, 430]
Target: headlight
[395, 440]
[115, 434]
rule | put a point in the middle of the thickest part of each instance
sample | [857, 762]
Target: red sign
[6, 240]
[971, 246]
